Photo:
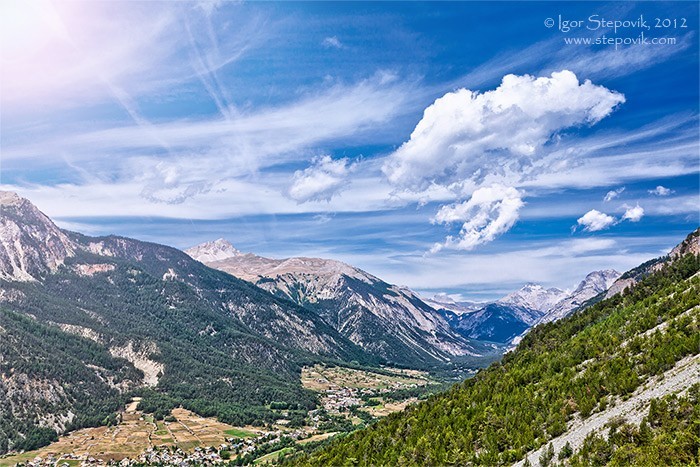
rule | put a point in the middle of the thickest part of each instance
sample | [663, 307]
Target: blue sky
[458, 147]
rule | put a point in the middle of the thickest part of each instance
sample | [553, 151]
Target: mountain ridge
[507, 319]
[384, 319]
[153, 320]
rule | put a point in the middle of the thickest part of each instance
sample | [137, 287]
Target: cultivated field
[322, 378]
[134, 435]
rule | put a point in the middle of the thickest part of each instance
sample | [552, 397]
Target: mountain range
[87, 320]
[414, 331]
[505, 320]
[383, 319]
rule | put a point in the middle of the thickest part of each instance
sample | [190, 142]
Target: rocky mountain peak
[598, 280]
[31, 245]
[690, 245]
[10, 198]
[593, 284]
[216, 250]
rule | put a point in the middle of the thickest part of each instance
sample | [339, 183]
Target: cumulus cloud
[467, 134]
[612, 194]
[332, 42]
[633, 214]
[661, 191]
[595, 220]
[467, 141]
[489, 212]
[319, 182]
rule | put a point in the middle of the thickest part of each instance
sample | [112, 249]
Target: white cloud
[633, 214]
[467, 140]
[320, 181]
[661, 191]
[612, 194]
[332, 42]
[595, 220]
[466, 134]
[266, 135]
[489, 212]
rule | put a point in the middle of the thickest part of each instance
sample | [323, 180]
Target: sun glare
[26, 27]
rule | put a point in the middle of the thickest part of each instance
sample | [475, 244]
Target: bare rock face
[691, 245]
[594, 283]
[385, 319]
[30, 244]
[213, 251]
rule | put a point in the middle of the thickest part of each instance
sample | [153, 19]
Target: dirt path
[675, 381]
[192, 433]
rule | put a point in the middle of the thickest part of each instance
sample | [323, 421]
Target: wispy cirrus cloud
[612, 194]
[332, 42]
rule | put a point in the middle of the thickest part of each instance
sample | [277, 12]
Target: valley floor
[349, 398]
[132, 437]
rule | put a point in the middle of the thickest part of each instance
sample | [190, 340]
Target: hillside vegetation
[44, 374]
[571, 368]
[87, 322]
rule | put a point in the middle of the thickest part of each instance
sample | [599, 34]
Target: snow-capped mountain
[594, 283]
[511, 316]
[387, 320]
[534, 297]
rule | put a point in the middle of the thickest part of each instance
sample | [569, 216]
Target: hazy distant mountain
[495, 322]
[534, 297]
[512, 315]
[384, 319]
[444, 301]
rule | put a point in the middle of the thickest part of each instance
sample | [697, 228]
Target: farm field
[339, 388]
[322, 378]
[134, 435]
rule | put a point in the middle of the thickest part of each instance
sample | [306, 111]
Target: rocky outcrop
[30, 244]
[593, 285]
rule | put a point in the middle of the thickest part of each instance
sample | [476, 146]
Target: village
[349, 399]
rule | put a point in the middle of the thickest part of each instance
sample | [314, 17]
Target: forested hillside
[65, 380]
[89, 323]
[572, 368]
